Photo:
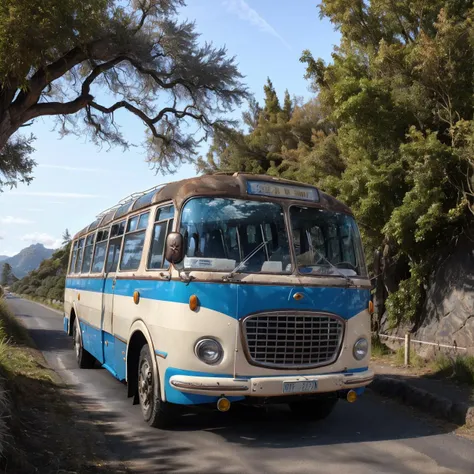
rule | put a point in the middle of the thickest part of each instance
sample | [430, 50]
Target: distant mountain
[3, 257]
[28, 259]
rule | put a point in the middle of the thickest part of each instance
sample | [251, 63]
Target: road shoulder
[48, 431]
[440, 398]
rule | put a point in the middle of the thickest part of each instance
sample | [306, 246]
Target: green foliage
[378, 348]
[390, 132]
[459, 367]
[48, 281]
[416, 361]
[56, 56]
[7, 277]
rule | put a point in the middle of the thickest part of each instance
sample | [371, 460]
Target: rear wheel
[85, 360]
[156, 412]
[313, 410]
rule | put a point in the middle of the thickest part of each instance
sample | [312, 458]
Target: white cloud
[245, 12]
[71, 168]
[14, 220]
[57, 195]
[42, 238]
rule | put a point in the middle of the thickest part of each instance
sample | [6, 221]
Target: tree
[274, 139]
[66, 238]
[71, 58]
[390, 133]
[7, 275]
[400, 93]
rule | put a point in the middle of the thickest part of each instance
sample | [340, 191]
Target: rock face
[449, 309]
[28, 259]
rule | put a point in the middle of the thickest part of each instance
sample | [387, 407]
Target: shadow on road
[48, 340]
[111, 424]
[254, 429]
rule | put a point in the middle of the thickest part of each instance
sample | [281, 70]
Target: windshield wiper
[245, 260]
[349, 281]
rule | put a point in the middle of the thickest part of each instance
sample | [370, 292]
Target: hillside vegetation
[48, 281]
[389, 132]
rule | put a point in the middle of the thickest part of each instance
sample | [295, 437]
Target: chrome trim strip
[360, 380]
[216, 388]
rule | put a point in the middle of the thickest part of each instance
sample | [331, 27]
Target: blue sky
[75, 180]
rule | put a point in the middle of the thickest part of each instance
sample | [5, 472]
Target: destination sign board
[279, 190]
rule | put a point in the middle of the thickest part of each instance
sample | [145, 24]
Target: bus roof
[236, 185]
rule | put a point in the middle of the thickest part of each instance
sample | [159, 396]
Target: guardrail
[408, 342]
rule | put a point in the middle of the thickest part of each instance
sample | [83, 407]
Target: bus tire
[313, 410]
[85, 360]
[155, 411]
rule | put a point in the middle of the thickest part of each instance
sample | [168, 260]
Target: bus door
[110, 282]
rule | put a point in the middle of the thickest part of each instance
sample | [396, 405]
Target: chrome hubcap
[145, 385]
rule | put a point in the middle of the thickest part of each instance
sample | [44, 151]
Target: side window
[80, 246]
[99, 251]
[73, 257]
[163, 226]
[113, 254]
[133, 242]
[86, 263]
[117, 229]
[115, 244]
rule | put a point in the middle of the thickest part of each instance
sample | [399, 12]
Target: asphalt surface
[373, 435]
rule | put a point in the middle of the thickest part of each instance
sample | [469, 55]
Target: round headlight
[209, 351]
[361, 347]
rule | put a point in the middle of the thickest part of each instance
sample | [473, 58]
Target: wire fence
[437, 344]
[408, 342]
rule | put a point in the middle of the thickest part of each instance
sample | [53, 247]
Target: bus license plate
[299, 387]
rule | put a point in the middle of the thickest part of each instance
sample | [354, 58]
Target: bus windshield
[326, 243]
[220, 233]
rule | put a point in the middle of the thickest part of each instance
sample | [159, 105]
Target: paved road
[371, 436]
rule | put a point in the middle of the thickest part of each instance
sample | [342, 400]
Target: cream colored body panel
[173, 329]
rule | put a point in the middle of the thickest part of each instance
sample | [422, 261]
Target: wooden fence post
[407, 349]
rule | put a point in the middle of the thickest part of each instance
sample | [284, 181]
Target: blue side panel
[120, 356]
[222, 297]
[113, 355]
[180, 398]
[109, 352]
[66, 324]
[92, 341]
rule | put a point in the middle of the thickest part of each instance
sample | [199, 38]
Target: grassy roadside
[456, 368]
[41, 419]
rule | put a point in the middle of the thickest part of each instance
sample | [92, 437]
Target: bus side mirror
[174, 248]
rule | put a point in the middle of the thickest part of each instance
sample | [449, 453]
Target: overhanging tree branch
[57, 108]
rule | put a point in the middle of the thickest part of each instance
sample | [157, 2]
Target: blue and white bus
[222, 289]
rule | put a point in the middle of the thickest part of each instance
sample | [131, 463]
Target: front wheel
[84, 359]
[156, 412]
[313, 410]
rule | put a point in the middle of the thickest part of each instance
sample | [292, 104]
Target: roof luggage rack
[131, 198]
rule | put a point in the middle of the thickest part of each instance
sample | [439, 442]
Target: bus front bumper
[270, 386]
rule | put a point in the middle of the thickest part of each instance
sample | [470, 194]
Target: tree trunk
[7, 129]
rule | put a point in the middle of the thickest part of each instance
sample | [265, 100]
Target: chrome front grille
[292, 339]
